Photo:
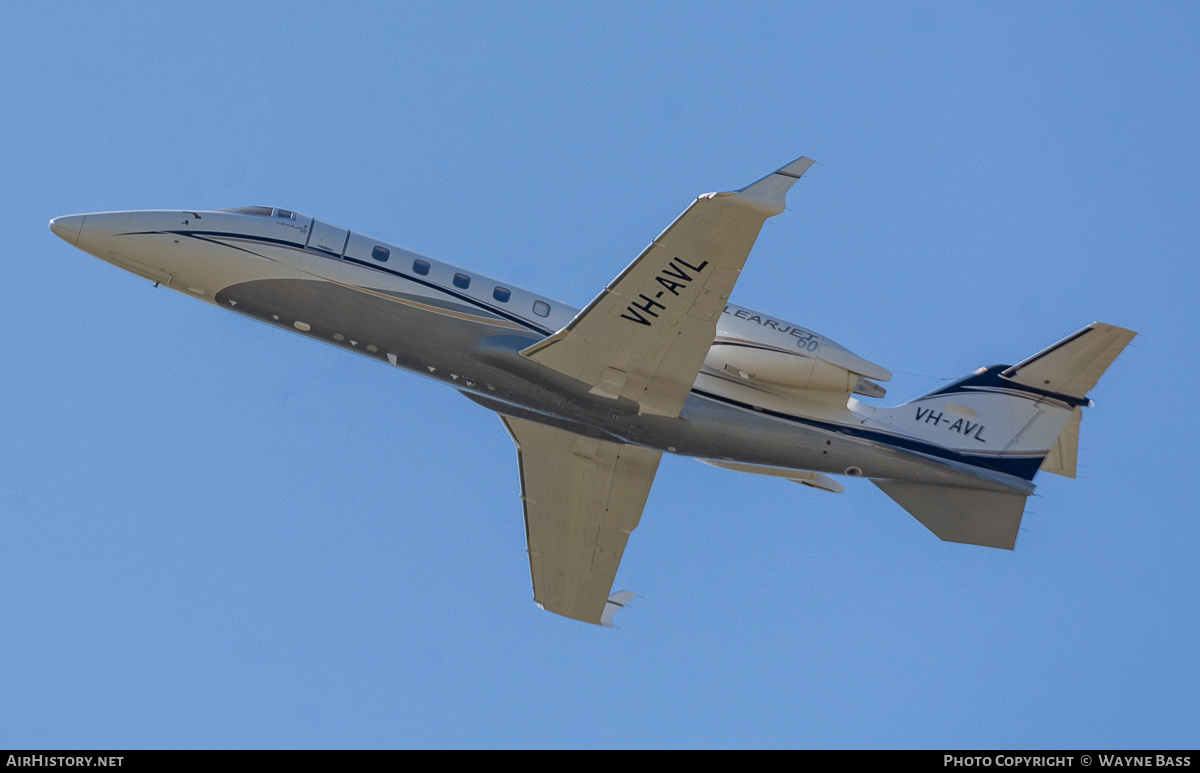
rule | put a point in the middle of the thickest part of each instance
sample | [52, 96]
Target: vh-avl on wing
[659, 362]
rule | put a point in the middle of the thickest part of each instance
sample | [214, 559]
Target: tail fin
[1072, 367]
[1021, 418]
[1015, 419]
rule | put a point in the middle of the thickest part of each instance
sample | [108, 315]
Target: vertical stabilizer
[1065, 452]
[1016, 419]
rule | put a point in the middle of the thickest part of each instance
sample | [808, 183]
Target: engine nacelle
[755, 347]
[783, 369]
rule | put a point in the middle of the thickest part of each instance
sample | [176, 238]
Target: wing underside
[645, 336]
[582, 499]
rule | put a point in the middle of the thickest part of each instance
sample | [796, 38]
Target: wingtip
[770, 192]
[797, 167]
[615, 603]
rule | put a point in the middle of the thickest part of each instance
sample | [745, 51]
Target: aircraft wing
[582, 499]
[645, 336]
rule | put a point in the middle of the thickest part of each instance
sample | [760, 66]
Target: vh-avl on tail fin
[659, 362]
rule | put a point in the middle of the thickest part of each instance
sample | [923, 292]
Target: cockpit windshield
[264, 211]
[285, 214]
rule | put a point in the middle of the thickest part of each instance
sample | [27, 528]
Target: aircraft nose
[67, 227]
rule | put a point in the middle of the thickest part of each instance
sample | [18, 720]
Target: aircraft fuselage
[400, 308]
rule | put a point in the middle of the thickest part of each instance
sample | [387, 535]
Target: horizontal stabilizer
[970, 516]
[1073, 365]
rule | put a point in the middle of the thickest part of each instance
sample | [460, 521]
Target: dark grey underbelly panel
[358, 321]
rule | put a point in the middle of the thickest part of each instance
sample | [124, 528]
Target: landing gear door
[327, 238]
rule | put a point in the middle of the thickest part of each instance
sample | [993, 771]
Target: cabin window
[541, 308]
[420, 267]
[502, 294]
[462, 281]
[380, 253]
[286, 214]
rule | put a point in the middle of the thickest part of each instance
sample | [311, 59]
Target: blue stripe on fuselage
[1021, 467]
[991, 380]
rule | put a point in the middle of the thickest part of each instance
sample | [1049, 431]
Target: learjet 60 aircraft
[659, 362]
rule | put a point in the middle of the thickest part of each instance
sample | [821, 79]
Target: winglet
[769, 193]
[614, 604]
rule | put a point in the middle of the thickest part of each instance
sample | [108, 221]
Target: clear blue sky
[214, 534]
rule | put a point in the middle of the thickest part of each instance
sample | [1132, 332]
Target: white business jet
[660, 361]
